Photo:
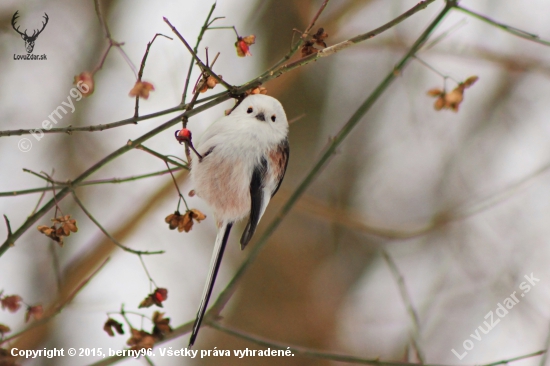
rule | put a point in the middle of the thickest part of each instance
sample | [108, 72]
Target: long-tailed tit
[242, 162]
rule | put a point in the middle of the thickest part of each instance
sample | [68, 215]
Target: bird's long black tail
[219, 248]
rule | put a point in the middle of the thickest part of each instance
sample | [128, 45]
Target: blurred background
[459, 202]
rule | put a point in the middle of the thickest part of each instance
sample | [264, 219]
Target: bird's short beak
[260, 116]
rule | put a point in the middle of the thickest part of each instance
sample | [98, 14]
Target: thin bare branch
[125, 248]
[143, 61]
[164, 158]
[203, 67]
[205, 26]
[408, 303]
[508, 28]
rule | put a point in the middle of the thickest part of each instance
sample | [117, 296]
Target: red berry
[183, 135]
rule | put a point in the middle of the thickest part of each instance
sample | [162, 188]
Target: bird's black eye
[249, 110]
[273, 118]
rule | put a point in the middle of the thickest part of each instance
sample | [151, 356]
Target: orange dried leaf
[435, 92]
[141, 89]
[470, 81]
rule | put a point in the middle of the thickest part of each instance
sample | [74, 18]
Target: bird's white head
[264, 110]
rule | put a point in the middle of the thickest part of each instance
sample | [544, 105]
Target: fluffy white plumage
[244, 158]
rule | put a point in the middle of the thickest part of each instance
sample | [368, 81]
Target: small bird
[242, 159]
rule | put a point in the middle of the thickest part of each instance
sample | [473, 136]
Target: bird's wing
[257, 185]
[280, 163]
[263, 186]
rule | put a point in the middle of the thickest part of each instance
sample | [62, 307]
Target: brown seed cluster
[206, 82]
[256, 90]
[62, 226]
[141, 339]
[184, 222]
[318, 39]
[454, 98]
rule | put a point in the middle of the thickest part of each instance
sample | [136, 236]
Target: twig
[408, 303]
[42, 196]
[295, 46]
[147, 272]
[90, 182]
[47, 179]
[112, 42]
[202, 66]
[101, 18]
[178, 189]
[430, 67]
[8, 225]
[56, 309]
[93, 128]
[515, 31]
[546, 347]
[140, 73]
[164, 158]
[503, 362]
[199, 39]
[315, 17]
[440, 37]
[91, 217]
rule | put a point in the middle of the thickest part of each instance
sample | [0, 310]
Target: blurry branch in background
[302, 351]
[515, 31]
[112, 42]
[57, 307]
[400, 280]
[306, 352]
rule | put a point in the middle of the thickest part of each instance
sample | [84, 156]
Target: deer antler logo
[29, 40]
